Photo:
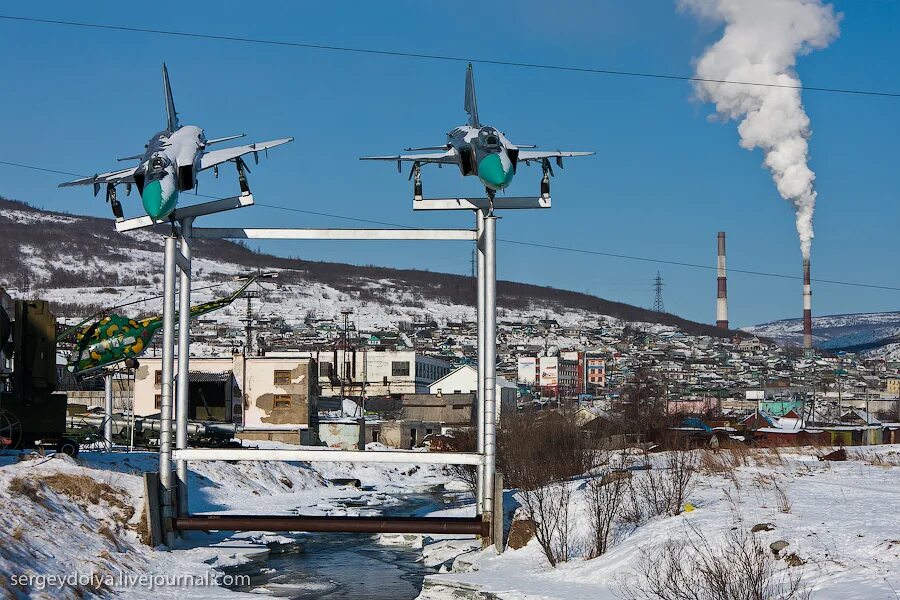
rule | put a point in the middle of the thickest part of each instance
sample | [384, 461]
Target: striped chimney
[807, 308]
[722, 293]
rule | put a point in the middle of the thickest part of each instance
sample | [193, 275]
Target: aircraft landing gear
[416, 174]
[545, 178]
[114, 202]
[242, 177]
[490, 196]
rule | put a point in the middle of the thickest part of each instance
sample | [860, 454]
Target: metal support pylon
[479, 435]
[184, 354]
[489, 236]
[108, 410]
[165, 407]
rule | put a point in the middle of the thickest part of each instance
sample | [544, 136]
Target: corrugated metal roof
[206, 377]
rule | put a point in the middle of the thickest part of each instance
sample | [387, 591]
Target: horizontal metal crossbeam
[333, 234]
[334, 524]
[195, 210]
[500, 203]
[356, 456]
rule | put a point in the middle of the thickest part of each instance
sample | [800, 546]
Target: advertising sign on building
[527, 369]
[549, 371]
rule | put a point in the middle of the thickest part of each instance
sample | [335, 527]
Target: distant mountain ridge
[75, 260]
[848, 332]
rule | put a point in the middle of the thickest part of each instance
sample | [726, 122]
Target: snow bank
[842, 522]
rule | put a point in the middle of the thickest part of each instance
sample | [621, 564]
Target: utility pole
[248, 322]
[658, 284]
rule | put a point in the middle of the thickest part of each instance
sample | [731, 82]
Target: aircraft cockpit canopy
[157, 167]
[489, 138]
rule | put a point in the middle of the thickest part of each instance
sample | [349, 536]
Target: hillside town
[413, 382]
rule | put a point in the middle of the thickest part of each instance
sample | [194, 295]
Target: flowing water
[347, 566]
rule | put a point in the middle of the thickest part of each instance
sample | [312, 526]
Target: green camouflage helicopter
[115, 338]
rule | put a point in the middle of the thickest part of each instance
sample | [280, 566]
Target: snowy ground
[49, 527]
[842, 522]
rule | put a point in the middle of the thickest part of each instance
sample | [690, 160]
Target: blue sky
[665, 179]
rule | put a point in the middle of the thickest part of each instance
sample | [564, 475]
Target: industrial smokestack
[722, 294]
[807, 309]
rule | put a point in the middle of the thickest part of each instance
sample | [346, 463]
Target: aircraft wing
[448, 157]
[114, 177]
[217, 157]
[526, 155]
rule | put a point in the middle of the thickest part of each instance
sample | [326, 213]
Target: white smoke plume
[760, 43]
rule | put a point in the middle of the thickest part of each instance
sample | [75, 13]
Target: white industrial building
[381, 372]
[464, 379]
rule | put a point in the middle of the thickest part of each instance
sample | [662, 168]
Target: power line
[442, 57]
[659, 261]
[33, 168]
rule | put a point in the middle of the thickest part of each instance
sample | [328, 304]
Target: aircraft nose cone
[495, 171]
[159, 197]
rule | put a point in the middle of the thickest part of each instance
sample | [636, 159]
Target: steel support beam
[432, 525]
[108, 409]
[274, 233]
[184, 369]
[490, 363]
[165, 408]
[514, 202]
[188, 212]
[391, 456]
[479, 431]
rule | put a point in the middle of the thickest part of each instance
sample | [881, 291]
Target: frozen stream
[348, 566]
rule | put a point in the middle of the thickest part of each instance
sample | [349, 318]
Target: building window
[400, 368]
[158, 378]
[325, 369]
[282, 378]
[282, 401]
[157, 402]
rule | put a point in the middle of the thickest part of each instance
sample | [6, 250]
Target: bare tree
[605, 495]
[547, 506]
[463, 440]
[660, 491]
[538, 456]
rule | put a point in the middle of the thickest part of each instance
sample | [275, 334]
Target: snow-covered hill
[82, 265]
[869, 332]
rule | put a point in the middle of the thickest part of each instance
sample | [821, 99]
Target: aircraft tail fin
[171, 115]
[471, 106]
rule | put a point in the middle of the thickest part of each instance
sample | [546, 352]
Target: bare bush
[547, 507]
[661, 491]
[784, 503]
[605, 496]
[464, 441]
[536, 451]
[537, 456]
[691, 569]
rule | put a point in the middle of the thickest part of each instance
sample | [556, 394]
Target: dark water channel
[348, 566]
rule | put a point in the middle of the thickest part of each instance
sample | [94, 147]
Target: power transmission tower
[658, 305]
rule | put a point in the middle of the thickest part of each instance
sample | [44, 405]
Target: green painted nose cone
[158, 203]
[493, 173]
